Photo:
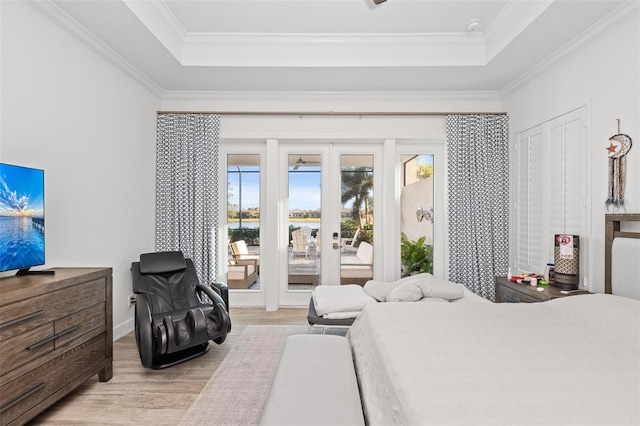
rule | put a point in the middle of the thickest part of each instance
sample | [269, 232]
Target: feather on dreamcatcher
[619, 146]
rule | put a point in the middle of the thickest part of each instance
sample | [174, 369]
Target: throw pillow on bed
[428, 288]
[407, 292]
[441, 289]
[379, 289]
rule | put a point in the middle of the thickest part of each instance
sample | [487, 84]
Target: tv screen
[21, 217]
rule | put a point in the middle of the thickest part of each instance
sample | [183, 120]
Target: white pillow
[379, 289]
[441, 289]
[407, 292]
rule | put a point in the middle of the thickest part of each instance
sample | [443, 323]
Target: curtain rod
[330, 113]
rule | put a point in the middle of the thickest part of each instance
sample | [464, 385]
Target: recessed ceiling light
[473, 24]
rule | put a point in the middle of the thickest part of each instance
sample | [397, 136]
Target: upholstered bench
[315, 384]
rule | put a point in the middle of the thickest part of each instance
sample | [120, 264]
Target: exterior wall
[417, 194]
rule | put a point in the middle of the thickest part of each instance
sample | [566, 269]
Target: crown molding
[627, 10]
[81, 34]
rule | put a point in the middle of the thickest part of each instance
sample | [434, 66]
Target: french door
[318, 213]
[328, 212]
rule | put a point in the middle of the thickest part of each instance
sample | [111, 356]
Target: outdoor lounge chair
[242, 255]
[241, 276]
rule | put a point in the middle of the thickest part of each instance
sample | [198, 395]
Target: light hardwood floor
[140, 396]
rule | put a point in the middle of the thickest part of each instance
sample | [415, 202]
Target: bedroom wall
[599, 70]
[91, 127]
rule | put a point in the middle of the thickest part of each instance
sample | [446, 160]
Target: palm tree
[357, 184]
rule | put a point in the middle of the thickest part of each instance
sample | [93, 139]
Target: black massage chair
[176, 316]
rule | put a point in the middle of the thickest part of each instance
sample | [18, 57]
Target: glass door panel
[243, 220]
[304, 221]
[356, 218]
[417, 213]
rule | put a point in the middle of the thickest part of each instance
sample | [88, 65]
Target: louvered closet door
[530, 198]
[567, 142]
[551, 187]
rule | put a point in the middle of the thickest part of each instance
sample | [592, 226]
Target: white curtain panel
[478, 200]
[187, 188]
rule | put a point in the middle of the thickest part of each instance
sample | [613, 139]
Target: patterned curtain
[478, 200]
[187, 188]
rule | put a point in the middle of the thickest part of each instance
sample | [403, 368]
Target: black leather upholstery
[176, 316]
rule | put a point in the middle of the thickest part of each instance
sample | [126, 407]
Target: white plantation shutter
[530, 198]
[551, 188]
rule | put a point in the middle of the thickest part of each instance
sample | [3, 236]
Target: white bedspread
[570, 361]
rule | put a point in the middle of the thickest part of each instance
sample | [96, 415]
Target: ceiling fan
[379, 1]
[301, 162]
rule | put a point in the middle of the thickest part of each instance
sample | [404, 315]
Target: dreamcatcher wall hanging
[619, 146]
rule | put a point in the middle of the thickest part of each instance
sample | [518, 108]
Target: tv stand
[27, 271]
[56, 332]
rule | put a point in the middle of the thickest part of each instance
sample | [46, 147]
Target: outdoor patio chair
[242, 255]
[349, 242]
[300, 243]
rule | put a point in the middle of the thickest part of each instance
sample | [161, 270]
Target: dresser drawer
[19, 317]
[508, 295]
[26, 347]
[27, 391]
[68, 329]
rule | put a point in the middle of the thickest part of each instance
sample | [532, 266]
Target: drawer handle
[68, 331]
[20, 319]
[25, 395]
[54, 337]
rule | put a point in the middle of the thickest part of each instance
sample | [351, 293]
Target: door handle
[336, 246]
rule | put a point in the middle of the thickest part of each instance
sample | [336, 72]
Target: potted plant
[416, 256]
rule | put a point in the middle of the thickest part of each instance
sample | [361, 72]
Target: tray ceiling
[330, 45]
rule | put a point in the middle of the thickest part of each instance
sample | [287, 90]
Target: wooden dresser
[510, 292]
[56, 332]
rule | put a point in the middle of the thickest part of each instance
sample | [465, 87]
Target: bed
[569, 361]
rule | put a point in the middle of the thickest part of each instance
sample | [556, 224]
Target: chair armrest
[246, 259]
[223, 290]
[213, 295]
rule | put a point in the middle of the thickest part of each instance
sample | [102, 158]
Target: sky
[21, 191]
[304, 188]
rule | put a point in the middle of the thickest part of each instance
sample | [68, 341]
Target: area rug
[238, 390]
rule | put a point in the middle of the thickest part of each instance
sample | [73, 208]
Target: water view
[250, 224]
[21, 242]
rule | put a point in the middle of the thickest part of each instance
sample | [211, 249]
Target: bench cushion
[315, 384]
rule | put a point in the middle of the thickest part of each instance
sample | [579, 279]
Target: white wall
[91, 127]
[603, 73]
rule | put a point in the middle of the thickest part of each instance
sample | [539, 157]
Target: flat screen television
[22, 230]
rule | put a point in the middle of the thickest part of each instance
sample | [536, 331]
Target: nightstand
[510, 292]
